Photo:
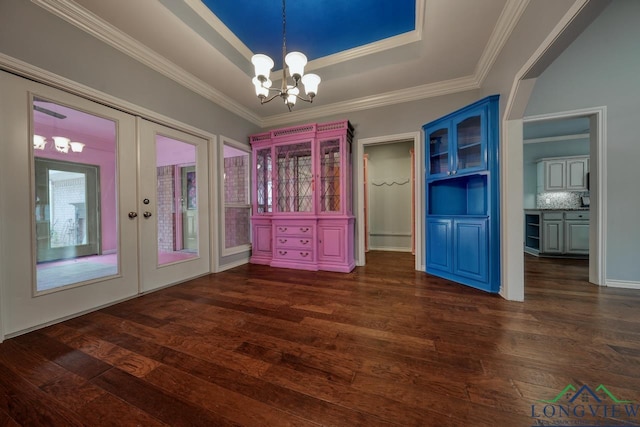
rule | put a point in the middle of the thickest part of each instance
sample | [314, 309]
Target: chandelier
[295, 62]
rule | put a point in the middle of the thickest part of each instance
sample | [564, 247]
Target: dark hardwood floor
[383, 345]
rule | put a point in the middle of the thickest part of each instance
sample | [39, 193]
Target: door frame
[418, 192]
[597, 154]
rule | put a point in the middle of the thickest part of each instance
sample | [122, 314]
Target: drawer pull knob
[304, 229]
[304, 242]
[283, 240]
[282, 229]
[304, 254]
[282, 252]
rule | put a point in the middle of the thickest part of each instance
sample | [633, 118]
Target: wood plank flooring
[383, 345]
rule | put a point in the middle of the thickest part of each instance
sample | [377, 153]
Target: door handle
[132, 215]
[147, 214]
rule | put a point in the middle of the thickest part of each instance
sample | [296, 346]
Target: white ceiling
[453, 51]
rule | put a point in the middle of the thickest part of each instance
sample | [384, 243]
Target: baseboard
[622, 284]
[231, 265]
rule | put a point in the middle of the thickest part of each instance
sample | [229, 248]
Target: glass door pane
[75, 196]
[295, 178]
[177, 200]
[330, 175]
[264, 190]
[439, 151]
[173, 206]
[469, 142]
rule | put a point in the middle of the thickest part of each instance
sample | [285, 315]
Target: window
[236, 231]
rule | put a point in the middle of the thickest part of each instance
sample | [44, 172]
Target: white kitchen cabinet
[552, 233]
[563, 174]
[576, 233]
[564, 233]
[576, 173]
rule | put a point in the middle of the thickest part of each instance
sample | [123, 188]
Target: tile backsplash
[560, 200]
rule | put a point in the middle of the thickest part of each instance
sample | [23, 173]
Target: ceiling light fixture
[61, 143]
[295, 62]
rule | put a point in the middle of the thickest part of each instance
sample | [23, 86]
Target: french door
[83, 224]
[173, 206]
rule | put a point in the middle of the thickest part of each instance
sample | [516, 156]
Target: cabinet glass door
[470, 143]
[438, 151]
[295, 177]
[330, 175]
[264, 195]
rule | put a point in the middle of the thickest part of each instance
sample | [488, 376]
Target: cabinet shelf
[444, 153]
[467, 146]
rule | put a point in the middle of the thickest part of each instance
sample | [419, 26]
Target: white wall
[389, 185]
[601, 68]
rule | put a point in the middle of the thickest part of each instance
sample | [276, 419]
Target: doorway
[389, 198]
[359, 193]
[80, 205]
[585, 128]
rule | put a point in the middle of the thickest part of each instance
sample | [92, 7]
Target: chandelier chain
[284, 44]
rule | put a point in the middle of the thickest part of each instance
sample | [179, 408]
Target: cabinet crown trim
[303, 130]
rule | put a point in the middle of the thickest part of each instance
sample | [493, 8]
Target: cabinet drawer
[294, 242]
[294, 230]
[581, 215]
[294, 255]
[553, 216]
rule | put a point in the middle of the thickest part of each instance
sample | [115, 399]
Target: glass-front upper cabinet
[457, 145]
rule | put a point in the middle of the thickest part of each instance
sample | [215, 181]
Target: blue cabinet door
[439, 240]
[470, 139]
[471, 248]
[439, 160]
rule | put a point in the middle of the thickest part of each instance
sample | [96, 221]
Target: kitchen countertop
[555, 209]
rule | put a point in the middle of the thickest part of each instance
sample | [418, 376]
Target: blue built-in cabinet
[462, 196]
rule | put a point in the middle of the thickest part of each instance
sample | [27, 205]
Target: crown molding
[507, 22]
[107, 33]
[416, 93]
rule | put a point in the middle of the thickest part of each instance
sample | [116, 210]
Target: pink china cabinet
[302, 206]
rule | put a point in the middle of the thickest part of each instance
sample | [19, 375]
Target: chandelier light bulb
[262, 65]
[311, 83]
[262, 88]
[296, 62]
[76, 147]
[61, 143]
[39, 142]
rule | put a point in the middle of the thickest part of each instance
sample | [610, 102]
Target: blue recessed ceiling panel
[316, 28]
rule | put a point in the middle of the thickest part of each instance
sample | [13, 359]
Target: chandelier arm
[265, 100]
[306, 99]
